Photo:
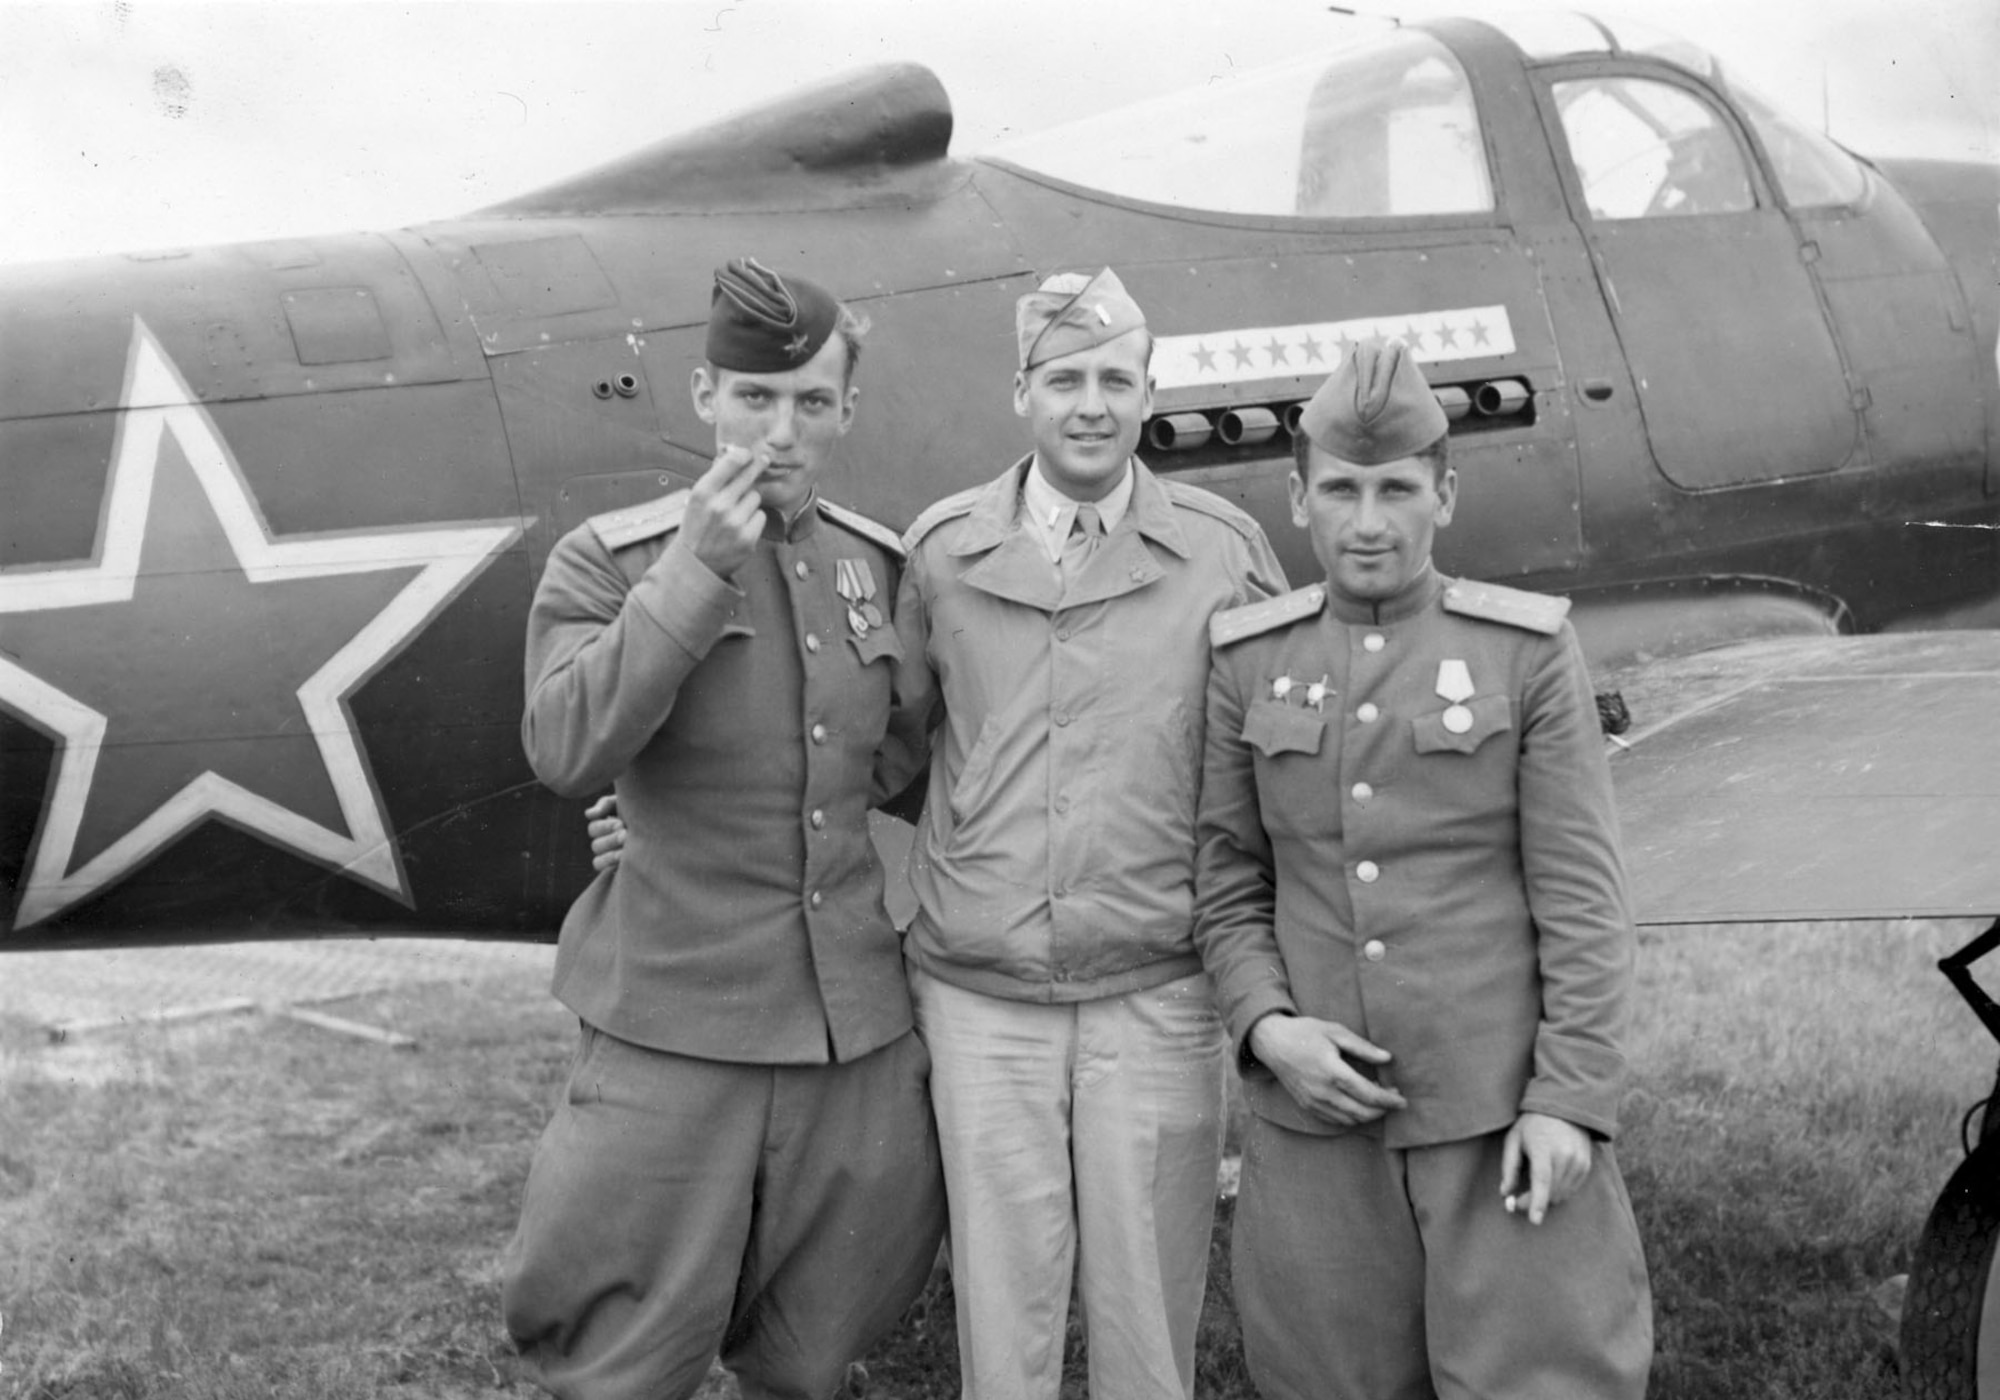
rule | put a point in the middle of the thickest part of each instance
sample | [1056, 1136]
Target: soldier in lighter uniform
[1411, 898]
[1060, 613]
[744, 1159]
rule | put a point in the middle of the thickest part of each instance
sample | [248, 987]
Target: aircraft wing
[1814, 778]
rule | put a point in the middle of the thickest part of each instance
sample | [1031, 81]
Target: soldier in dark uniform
[1410, 895]
[744, 1159]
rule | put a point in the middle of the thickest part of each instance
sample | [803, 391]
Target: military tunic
[747, 730]
[1454, 895]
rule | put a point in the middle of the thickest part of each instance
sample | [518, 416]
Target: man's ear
[1020, 393]
[701, 387]
[1447, 496]
[847, 402]
[1297, 490]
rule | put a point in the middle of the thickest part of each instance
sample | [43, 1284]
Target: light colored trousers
[1078, 1139]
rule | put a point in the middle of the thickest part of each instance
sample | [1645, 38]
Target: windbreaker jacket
[747, 728]
[1055, 858]
[1448, 886]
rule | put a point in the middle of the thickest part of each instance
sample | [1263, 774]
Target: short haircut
[851, 327]
[1435, 454]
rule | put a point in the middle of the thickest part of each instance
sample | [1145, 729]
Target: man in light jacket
[1060, 615]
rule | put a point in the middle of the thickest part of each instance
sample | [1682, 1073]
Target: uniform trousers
[781, 1215]
[1082, 1140]
[1369, 1273]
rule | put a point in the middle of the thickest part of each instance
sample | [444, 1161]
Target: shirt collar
[1051, 513]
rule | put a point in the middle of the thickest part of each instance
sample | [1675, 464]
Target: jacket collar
[1016, 567]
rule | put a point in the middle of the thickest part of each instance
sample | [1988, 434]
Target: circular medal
[872, 613]
[857, 622]
[1458, 719]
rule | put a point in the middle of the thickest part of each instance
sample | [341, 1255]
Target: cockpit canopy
[1388, 128]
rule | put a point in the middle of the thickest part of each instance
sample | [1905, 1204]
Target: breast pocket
[1273, 728]
[1490, 714]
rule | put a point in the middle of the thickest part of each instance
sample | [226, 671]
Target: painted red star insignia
[199, 668]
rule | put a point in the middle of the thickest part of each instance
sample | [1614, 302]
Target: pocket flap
[880, 642]
[1276, 728]
[1491, 714]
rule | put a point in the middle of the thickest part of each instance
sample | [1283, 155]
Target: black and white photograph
[1018, 701]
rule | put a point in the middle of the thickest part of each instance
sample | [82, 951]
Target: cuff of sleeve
[687, 600]
[1245, 1014]
[1578, 1081]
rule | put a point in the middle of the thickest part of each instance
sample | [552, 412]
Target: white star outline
[157, 401]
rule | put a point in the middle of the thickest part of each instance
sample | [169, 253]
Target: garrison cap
[764, 322]
[1375, 407]
[1072, 311]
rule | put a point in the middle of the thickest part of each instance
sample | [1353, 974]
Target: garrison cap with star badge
[765, 322]
[1072, 311]
[1374, 408]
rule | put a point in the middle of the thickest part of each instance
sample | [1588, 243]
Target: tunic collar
[1421, 593]
[799, 525]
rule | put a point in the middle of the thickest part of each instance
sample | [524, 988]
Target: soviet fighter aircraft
[273, 512]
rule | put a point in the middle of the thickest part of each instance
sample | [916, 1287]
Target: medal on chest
[854, 581]
[1284, 688]
[1454, 686]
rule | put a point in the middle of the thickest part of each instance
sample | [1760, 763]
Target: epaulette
[630, 524]
[1234, 624]
[867, 528]
[1513, 607]
[1212, 505]
[950, 508]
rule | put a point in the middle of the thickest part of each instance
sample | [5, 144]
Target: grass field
[253, 1208]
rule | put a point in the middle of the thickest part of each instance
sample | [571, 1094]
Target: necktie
[1084, 533]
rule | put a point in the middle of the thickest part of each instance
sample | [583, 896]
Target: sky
[138, 124]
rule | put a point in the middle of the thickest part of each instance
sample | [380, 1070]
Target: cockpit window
[1551, 33]
[1811, 169]
[1383, 130]
[1646, 150]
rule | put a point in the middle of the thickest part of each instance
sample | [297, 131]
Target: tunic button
[812, 642]
[1062, 717]
[1062, 634]
[1062, 804]
[801, 569]
[819, 734]
[818, 819]
[1362, 792]
[1366, 712]
[1373, 950]
[1372, 642]
[1367, 872]
[816, 899]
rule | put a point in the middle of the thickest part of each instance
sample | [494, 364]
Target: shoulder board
[1234, 624]
[631, 524]
[1512, 607]
[934, 515]
[862, 525]
[1210, 504]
